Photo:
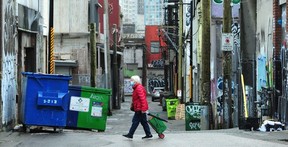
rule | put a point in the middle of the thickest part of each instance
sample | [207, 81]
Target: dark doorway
[30, 59]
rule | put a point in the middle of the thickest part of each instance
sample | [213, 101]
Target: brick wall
[277, 49]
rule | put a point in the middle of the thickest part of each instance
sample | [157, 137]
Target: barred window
[155, 47]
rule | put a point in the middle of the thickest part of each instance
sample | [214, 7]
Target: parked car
[156, 93]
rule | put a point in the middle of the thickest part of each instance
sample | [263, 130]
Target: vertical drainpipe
[282, 113]
[1, 50]
[144, 70]
[180, 32]
[115, 82]
[191, 49]
[276, 53]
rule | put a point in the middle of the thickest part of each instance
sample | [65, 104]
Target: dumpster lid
[74, 87]
[98, 90]
[42, 75]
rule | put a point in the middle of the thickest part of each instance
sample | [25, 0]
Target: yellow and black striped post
[51, 52]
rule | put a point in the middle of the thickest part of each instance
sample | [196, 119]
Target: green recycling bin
[171, 105]
[88, 107]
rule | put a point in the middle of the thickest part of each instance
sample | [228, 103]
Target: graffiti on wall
[193, 115]
[261, 72]
[235, 29]
[188, 16]
[155, 81]
[127, 87]
[219, 101]
[157, 63]
[8, 84]
[84, 79]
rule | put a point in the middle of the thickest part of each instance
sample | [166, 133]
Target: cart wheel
[60, 130]
[27, 129]
[54, 129]
[161, 136]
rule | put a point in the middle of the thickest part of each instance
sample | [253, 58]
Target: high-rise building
[137, 14]
[129, 11]
[133, 16]
[153, 12]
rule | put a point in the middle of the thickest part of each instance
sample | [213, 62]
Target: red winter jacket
[139, 100]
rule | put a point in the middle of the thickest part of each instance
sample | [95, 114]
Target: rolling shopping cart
[157, 124]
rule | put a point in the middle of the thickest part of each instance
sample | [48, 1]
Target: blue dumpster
[44, 100]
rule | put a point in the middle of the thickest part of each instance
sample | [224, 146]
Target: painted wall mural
[155, 81]
[261, 72]
[127, 87]
[8, 84]
[157, 63]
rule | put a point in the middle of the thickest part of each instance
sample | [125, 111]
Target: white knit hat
[136, 79]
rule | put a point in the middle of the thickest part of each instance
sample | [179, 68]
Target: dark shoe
[128, 136]
[147, 136]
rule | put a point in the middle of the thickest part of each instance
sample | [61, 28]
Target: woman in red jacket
[140, 107]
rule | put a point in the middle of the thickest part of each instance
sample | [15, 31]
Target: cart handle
[157, 117]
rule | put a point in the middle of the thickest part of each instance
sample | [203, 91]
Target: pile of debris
[271, 125]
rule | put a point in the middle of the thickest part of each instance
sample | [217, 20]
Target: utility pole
[107, 52]
[205, 53]
[227, 86]
[116, 101]
[93, 43]
[205, 58]
[107, 45]
[180, 32]
[93, 54]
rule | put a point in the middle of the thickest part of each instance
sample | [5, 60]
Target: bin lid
[97, 90]
[192, 103]
[47, 76]
[74, 87]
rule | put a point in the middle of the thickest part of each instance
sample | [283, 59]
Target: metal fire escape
[169, 33]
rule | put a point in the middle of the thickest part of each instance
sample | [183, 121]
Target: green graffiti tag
[96, 97]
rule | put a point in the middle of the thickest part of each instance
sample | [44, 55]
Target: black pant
[139, 117]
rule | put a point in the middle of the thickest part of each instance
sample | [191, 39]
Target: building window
[155, 47]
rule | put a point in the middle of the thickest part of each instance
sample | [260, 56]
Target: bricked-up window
[155, 47]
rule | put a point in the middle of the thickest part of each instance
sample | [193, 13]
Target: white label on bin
[79, 104]
[96, 111]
